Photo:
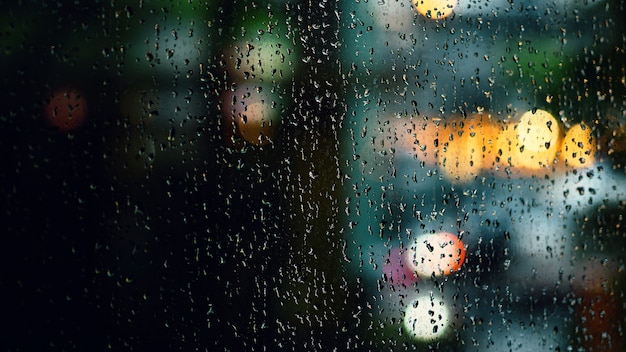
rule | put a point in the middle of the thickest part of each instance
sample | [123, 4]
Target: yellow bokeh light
[460, 154]
[435, 9]
[505, 144]
[539, 136]
[578, 147]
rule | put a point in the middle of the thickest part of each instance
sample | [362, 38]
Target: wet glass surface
[292, 175]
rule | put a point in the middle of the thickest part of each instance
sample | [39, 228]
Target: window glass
[314, 175]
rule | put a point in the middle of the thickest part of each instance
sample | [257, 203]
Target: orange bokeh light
[578, 147]
[465, 147]
[251, 114]
[436, 254]
[66, 109]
